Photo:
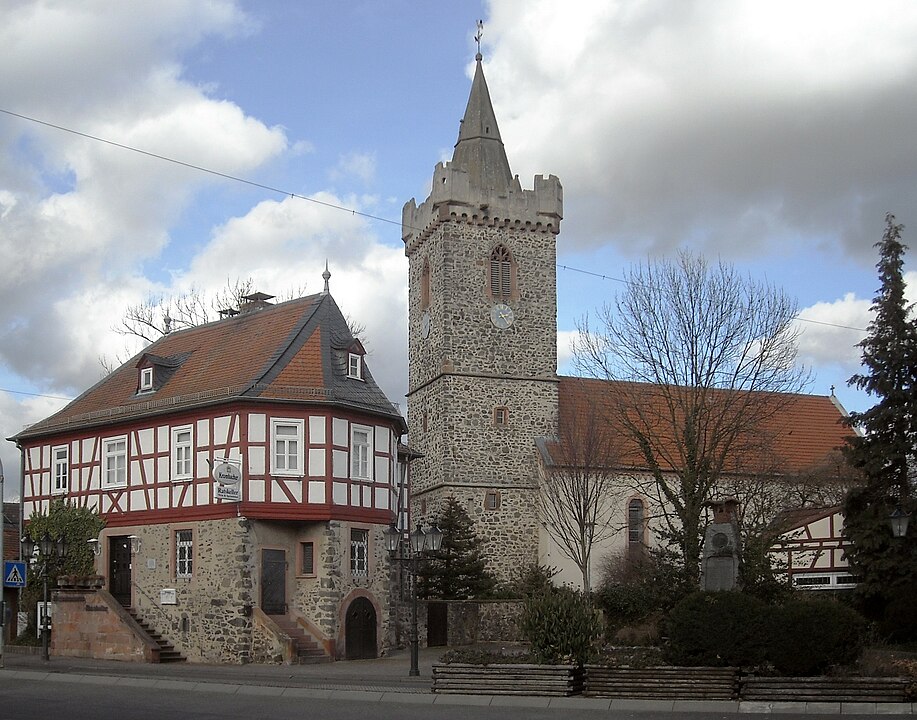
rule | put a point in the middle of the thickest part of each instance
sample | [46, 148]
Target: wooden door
[360, 630]
[119, 569]
[274, 582]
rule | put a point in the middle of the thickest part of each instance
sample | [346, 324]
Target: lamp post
[48, 550]
[419, 542]
[898, 521]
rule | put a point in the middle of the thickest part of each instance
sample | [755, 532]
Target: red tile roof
[800, 432]
[283, 351]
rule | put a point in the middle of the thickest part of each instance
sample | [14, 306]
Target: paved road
[74, 689]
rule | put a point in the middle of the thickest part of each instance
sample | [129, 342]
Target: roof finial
[477, 39]
[327, 276]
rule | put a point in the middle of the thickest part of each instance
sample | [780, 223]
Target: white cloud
[361, 166]
[831, 332]
[79, 217]
[732, 126]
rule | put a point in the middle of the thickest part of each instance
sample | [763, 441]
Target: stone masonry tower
[483, 337]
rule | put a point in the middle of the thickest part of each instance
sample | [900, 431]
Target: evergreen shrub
[717, 629]
[562, 626]
[809, 634]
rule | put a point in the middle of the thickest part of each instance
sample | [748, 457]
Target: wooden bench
[824, 689]
[685, 683]
[461, 678]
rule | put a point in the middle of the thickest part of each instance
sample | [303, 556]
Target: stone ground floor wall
[208, 615]
[91, 623]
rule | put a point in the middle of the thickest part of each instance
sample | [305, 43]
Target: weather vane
[478, 34]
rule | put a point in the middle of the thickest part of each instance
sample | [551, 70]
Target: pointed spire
[479, 150]
[326, 276]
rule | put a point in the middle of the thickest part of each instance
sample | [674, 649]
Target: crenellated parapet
[456, 195]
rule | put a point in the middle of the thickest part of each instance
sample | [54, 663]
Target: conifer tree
[458, 570]
[884, 453]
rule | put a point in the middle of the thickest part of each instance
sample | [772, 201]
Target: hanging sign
[228, 478]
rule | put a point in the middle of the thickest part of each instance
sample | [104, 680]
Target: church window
[501, 416]
[492, 500]
[501, 275]
[635, 521]
[425, 286]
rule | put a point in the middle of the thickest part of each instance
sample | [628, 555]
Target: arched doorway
[360, 630]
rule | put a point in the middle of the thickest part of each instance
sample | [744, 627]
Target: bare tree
[705, 357]
[580, 489]
[159, 315]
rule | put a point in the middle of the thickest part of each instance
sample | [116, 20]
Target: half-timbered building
[245, 469]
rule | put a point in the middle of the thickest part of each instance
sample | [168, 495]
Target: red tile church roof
[801, 432]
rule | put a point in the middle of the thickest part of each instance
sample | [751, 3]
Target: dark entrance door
[119, 569]
[437, 624]
[274, 582]
[360, 630]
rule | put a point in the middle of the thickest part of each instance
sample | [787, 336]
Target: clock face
[501, 315]
[425, 325]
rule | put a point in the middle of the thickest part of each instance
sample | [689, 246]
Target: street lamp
[898, 521]
[49, 550]
[419, 542]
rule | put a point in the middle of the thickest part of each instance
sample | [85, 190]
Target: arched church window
[501, 273]
[636, 512]
[425, 286]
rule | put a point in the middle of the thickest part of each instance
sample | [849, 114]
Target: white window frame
[146, 379]
[182, 453]
[110, 456]
[359, 553]
[60, 469]
[184, 553]
[361, 453]
[355, 366]
[298, 454]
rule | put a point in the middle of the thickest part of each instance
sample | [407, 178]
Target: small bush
[810, 634]
[719, 629]
[899, 620]
[637, 587]
[561, 626]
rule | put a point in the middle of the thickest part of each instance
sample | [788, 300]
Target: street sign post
[14, 574]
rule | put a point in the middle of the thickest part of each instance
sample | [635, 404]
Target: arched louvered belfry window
[501, 273]
[636, 512]
[425, 286]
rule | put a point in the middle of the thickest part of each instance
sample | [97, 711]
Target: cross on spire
[477, 38]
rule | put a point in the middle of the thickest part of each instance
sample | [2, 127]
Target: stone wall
[90, 623]
[484, 621]
[211, 618]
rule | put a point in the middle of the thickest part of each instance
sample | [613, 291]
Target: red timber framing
[320, 488]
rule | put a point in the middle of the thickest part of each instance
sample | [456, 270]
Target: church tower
[483, 337]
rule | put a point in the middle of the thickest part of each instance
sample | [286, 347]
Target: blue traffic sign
[14, 574]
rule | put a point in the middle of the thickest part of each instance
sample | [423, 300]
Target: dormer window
[355, 366]
[146, 379]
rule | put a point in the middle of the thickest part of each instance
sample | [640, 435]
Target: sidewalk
[381, 680]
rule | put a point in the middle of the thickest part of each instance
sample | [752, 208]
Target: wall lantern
[898, 521]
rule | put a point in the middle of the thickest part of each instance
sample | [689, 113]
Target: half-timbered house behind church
[245, 470]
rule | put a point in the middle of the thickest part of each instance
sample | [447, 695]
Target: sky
[772, 135]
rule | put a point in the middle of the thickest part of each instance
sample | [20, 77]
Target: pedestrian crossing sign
[14, 574]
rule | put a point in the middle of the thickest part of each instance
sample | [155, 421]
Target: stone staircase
[167, 651]
[308, 650]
